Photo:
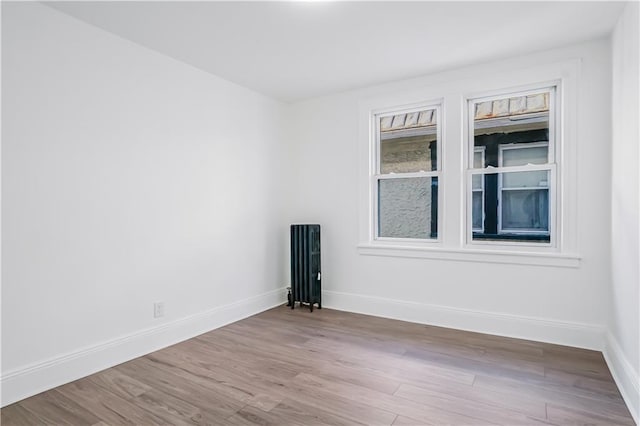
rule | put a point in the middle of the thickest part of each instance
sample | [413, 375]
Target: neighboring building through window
[512, 168]
[477, 189]
[405, 183]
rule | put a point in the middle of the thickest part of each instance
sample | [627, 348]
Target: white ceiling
[297, 50]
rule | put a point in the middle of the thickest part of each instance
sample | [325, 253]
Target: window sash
[406, 175]
[527, 168]
[471, 102]
[502, 188]
[378, 139]
[376, 208]
[376, 176]
[376, 205]
[550, 166]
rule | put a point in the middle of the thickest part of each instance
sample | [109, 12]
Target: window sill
[560, 260]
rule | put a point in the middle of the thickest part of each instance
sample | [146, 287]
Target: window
[407, 169]
[512, 168]
[481, 168]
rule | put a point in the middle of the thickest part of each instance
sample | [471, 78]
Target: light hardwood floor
[286, 367]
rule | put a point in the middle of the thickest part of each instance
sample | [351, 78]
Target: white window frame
[551, 166]
[377, 176]
[452, 91]
[521, 231]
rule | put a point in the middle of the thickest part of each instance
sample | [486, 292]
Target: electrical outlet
[158, 309]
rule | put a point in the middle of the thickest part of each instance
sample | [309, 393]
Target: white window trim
[553, 88]
[453, 90]
[376, 176]
[504, 256]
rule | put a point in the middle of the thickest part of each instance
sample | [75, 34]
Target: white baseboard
[580, 335]
[624, 374]
[33, 379]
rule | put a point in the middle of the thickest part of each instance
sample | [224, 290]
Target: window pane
[477, 214]
[407, 207]
[511, 131]
[478, 162]
[524, 155]
[512, 119]
[537, 179]
[516, 213]
[408, 142]
[525, 210]
[476, 182]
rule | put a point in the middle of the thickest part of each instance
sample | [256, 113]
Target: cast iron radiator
[305, 265]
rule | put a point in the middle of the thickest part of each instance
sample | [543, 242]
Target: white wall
[127, 178]
[624, 320]
[563, 305]
[130, 178]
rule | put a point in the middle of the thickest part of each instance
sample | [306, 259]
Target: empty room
[320, 213]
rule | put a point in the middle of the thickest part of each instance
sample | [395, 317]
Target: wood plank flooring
[285, 367]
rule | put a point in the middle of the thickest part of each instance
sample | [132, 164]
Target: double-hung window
[486, 172]
[406, 175]
[511, 169]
